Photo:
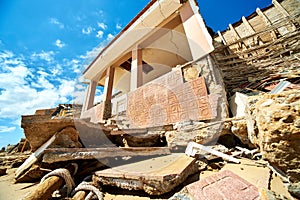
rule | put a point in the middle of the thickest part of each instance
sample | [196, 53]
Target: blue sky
[44, 44]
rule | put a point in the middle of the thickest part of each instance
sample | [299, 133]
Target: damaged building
[178, 102]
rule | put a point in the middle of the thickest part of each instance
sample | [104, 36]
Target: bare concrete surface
[155, 176]
[11, 191]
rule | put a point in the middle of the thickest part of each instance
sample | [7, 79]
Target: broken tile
[224, 185]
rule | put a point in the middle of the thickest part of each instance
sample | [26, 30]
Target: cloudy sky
[44, 46]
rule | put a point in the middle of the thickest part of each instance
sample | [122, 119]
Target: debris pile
[249, 152]
[255, 156]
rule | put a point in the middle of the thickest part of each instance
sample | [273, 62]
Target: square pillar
[136, 79]
[199, 40]
[90, 96]
[107, 93]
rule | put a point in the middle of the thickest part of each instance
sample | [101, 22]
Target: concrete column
[90, 96]
[199, 40]
[108, 85]
[107, 93]
[136, 79]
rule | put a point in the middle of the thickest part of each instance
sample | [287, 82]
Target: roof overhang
[151, 17]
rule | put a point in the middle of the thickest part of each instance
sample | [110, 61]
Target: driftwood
[46, 188]
[80, 195]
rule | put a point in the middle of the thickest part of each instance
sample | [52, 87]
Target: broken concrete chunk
[271, 127]
[39, 130]
[238, 104]
[155, 176]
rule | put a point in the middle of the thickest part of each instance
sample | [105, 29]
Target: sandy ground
[11, 191]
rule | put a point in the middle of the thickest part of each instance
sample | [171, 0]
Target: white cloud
[44, 55]
[6, 129]
[59, 43]
[118, 26]
[90, 55]
[99, 34]
[21, 96]
[6, 54]
[43, 73]
[56, 22]
[56, 70]
[87, 31]
[110, 37]
[102, 25]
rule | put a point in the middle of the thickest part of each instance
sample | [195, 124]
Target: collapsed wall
[264, 43]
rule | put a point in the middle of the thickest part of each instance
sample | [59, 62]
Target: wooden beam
[45, 189]
[279, 7]
[222, 38]
[235, 33]
[248, 26]
[264, 17]
[53, 155]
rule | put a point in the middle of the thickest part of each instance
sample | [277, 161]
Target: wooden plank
[53, 155]
[155, 176]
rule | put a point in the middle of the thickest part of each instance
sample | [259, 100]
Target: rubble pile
[199, 144]
[254, 154]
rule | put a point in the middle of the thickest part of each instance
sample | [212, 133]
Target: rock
[3, 171]
[272, 126]
[39, 129]
[32, 175]
[67, 138]
[294, 189]
[191, 72]
[239, 129]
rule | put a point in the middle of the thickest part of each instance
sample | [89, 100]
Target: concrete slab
[155, 176]
[224, 185]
